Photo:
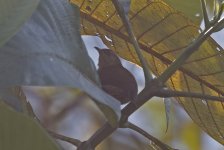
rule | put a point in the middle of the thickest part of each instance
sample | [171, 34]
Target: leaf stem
[147, 73]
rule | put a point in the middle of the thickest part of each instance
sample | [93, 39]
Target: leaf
[21, 132]
[48, 51]
[163, 33]
[13, 14]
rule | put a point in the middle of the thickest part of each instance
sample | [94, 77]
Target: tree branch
[170, 93]
[101, 134]
[188, 52]
[147, 135]
[72, 141]
[107, 129]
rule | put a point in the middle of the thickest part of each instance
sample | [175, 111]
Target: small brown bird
[115, 79]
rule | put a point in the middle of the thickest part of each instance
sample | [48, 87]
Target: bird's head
[107, 58]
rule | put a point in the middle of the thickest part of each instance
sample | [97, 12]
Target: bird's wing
[114, 91]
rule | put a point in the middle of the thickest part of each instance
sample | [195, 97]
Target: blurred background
[72, 113]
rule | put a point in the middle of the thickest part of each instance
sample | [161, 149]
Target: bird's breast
[120, 77]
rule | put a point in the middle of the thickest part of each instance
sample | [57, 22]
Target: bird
[116, 80]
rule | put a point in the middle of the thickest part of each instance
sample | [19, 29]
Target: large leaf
[19, 132]
[163, 33]
[49, 51]
[13, 14]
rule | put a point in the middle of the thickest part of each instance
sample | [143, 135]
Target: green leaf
[49, 51]
[13, 14]
[19, 132]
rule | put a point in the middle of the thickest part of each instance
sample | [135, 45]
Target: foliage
[48, 51]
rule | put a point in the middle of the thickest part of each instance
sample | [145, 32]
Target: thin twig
[72, 141]
[147, 73]
[170, 93]
[147, 135]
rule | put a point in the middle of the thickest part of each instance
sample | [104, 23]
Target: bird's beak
[98, 49]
